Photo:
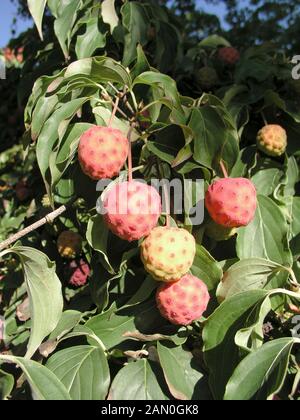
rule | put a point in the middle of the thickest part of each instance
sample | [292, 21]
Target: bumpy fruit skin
[132, 210]
[218, 232]
[272, 140]
[69, 244]
[207, 77]
[184, 301]
[80, 272]
[232, 202]
[102, 152]
[168, 253]
[229, 55]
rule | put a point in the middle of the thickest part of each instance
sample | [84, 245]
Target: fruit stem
[116, 107]
[264, 118]
[130, 171]
[224, 170]
[167, 203]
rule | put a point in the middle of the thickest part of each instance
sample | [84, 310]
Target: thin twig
[49, 218]
[130, 177]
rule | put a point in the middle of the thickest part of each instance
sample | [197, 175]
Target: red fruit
[102, 152]
[132, 210]
[80, 273]
[229, 55]
[22, 191]
[232, 202]
[184, 301]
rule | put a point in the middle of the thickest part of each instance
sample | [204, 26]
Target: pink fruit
[102, 152]
[184, 301]
[80, 273]
[232, 202]
[229, 55]
[132, 210]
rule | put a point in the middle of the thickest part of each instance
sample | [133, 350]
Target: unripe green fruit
[207, 77]
[272, 140]
[218, 232]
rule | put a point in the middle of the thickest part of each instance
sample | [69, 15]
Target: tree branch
[49, 218]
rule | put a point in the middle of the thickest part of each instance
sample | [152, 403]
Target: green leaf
[44, 291]
[214, 41]
[97, 236]
[248, 274]
[220, 352]
[6, 385]
[64, 23]
[91, 40]
[266, 236]
[214, 138]
[109, 14]
[83, 370]
[136, 23]
[44, 384]
[262, 373]
[206, 268]
[37, 8]
[137, 381]
[183, 373]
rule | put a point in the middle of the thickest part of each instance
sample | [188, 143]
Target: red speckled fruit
[184, 301]
[168, 253]
[80, 273]
[102, 152]
[229, 55]
[132, 210]
[232, 202]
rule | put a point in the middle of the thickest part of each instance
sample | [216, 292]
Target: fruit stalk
[224, 170]
[116, 107]
[130, 177]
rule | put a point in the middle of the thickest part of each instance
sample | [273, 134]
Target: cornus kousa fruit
[168, 253]
[80, 272]
[102, 152]
[69, 244]
[131, 209]
[232, 202]
[229, 55]
[207, 77]
[183, 301]
[218, 232]
[272, 140]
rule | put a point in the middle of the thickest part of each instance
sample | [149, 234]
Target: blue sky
[8, 12]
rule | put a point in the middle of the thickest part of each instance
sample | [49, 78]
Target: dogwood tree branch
[49, 218]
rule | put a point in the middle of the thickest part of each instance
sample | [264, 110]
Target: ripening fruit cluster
[131, 211]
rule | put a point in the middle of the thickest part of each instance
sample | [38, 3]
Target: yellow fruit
[272, 140]
[69, 244]
[168, 253]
